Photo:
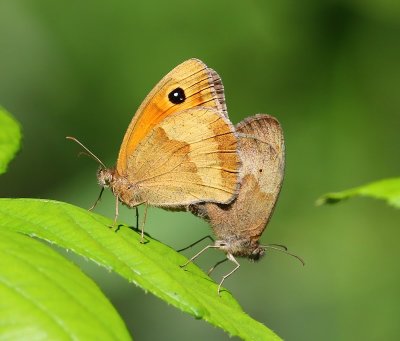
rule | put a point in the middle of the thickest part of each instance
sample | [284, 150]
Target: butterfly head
[256, 253]
[127, 192]
[105, 176]
[241, 247]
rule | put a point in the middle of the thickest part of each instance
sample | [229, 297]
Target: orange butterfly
[180, 148]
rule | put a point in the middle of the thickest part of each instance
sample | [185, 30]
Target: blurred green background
[330, 72]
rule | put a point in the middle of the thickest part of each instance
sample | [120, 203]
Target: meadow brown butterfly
[180, 148]
[238, 226]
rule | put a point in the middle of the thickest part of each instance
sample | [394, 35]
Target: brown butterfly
[180, 148]
[239, 225]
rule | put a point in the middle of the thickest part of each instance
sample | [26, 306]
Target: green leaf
[152, 266]
[10, 138]
[387, 189]
[45, 297]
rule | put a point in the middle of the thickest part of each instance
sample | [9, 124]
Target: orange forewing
[202, 87]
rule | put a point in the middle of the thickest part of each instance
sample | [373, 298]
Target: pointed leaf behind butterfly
[10, 137]
[152, 266]
[387, 189]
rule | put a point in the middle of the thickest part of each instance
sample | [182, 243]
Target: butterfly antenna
[282, 248]
[88, 152]
[279, 245]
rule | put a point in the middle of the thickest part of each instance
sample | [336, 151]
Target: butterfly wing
[261, 147]
[190, 156]
[190, 84]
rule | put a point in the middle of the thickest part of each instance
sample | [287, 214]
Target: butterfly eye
[177, 96]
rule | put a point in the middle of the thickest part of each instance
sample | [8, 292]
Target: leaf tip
[327, 199]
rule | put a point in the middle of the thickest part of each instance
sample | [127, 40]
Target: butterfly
[239, 225]
[180, 147]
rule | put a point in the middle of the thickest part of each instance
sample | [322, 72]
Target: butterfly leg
[232, 259]
[198, 254]
[216, 264]
[116, 212]
[143, 223]
[196, 242]
[97, 200]
[137, 217]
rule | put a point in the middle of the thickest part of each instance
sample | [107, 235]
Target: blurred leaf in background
[386, 189]
[329, 71]
[10, 139]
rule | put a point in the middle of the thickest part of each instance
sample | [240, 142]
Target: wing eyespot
[177, 96]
